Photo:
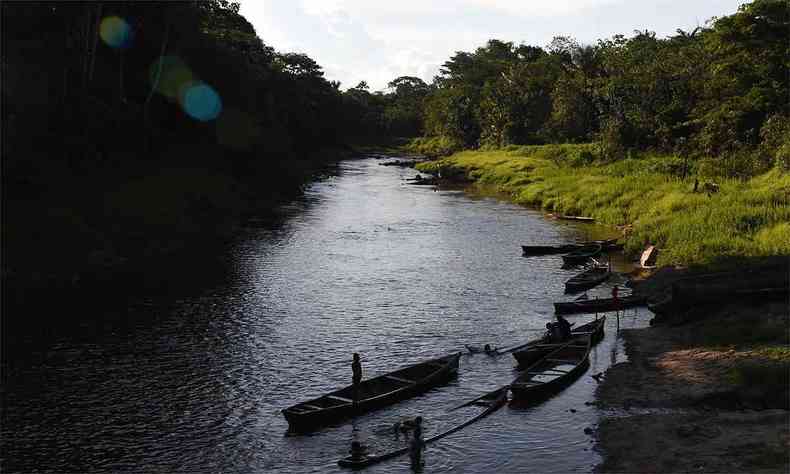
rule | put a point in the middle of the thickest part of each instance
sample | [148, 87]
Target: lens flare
[116, 32]
[201, 102]
[174, 75]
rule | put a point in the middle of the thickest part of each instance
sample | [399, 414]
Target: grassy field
[745, 218]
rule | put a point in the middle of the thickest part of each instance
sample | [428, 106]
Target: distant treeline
[720, 91]
[138, 128]
[99, 77]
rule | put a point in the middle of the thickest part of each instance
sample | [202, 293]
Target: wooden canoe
[534, 250]
[374, 393]
[598, 305]
[570, 218]
[556, 369]
[582, 255]
[534, 350]
[587, 279]
[489, 403]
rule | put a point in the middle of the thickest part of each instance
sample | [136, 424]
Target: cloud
[551, 8]
[377, 41]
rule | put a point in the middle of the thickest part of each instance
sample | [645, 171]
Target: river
[191, 375]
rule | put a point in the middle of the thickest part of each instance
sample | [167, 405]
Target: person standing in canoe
[356, 368]
[565, 328]
[615, 291]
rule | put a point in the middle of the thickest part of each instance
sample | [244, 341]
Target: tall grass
[745, 218]
[433, 146]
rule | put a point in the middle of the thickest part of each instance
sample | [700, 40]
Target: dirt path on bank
[681, 403]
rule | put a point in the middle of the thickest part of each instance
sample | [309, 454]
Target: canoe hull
[530, 355]
[301, 421]
[587, 279]
[532, 352]
[491, 401]
[582, 255]
[535, 250]
[598, 305]
[532, 250]
[529, 394]
[526, 389]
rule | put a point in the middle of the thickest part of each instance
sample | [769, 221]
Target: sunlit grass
[745, 218]
[433, 146]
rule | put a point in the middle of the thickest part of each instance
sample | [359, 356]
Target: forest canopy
[136, 128]
[721, 92]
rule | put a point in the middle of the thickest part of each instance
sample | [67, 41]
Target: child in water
[417, 444]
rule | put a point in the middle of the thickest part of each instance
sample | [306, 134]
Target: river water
[191, 375]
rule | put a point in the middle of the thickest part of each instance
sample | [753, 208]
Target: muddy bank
[727, 442]
[709, 395]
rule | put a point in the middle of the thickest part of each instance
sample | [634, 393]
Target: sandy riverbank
[709, 395]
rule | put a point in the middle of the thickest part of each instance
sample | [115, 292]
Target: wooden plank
[399, 379]
[311, 407]
[544, 372]
[342, 399]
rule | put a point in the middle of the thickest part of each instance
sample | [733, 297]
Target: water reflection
[192, 377]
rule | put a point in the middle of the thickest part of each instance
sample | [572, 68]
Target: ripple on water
[194, 380]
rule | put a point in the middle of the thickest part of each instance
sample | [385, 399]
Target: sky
[376, 41]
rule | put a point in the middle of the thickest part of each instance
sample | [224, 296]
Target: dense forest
[136, 129]
[720, 93]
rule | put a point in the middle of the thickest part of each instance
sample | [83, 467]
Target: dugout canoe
[373, 393]
[535, 350]
[570, 218]
[535, 250]
[563, 364]
[582, 255]
[587, 279]
[488, 403]
[598, 305]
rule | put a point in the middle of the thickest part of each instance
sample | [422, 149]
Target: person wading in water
[417, 445]
[356, 367]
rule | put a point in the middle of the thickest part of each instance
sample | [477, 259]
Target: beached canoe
[582, 255]
[534, 350]
[486, 404]
[598, 305]
[570, 218]
[563, 364]
[374, 393]
[587, 279]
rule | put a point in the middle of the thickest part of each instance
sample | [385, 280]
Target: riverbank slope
[705, 390]
[643, 195]
[710, 395]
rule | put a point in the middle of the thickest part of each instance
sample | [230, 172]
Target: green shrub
[775, 141]
[434, 146]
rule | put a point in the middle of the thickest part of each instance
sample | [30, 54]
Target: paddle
[486, 395]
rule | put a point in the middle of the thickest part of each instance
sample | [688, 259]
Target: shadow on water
[188, 367]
